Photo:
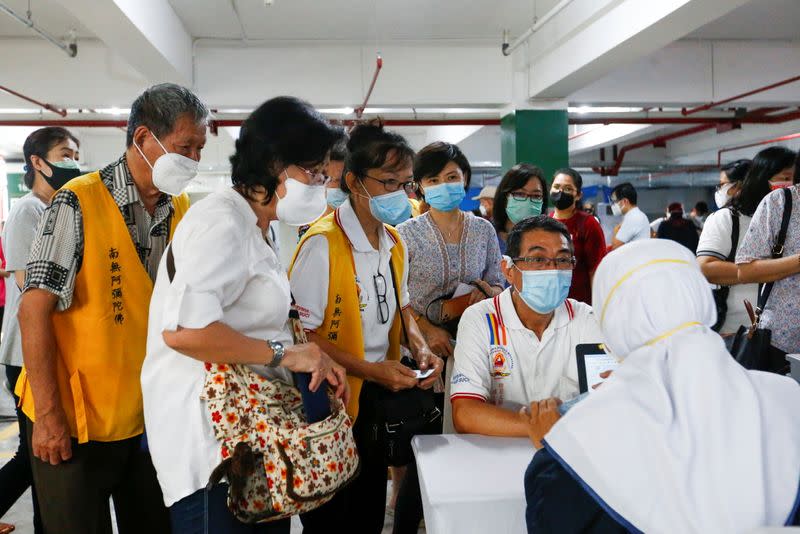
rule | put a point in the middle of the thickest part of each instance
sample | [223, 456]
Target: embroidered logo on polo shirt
[459, 378]
[501, 362]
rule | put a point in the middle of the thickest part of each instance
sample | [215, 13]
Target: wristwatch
[277, 353]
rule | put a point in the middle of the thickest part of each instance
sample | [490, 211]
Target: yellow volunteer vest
[341, 325]
[101, 339]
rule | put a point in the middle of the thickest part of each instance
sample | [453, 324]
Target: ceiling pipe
[757, 143]
[613, 170]
[378, 66]
[710, 105]
[750, 118]
[110, 123]
[507, 48]
[684, 170]
[754, 117]
[71, 48]
[43, 105]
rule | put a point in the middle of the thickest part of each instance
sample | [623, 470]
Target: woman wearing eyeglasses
[522, 193]
[349, 278]
[587, 235]
[448, 249]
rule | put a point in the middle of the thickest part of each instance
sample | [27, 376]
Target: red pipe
[43, 105]
[102, 123]
[378, 66]
[759, 119]
[614, 169]
[757, 143]
[677, 171]
[737, 97]
[581, 134]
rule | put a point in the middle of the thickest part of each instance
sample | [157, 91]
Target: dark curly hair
[283, 131]
[372, 147]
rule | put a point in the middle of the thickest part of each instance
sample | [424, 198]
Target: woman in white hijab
[681, 438]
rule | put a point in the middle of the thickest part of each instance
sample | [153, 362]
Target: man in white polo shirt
[635, 225]
[519, 347]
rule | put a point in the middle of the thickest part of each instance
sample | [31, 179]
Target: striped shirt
[57, 251]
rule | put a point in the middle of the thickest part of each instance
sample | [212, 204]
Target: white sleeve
[205, 283]
[471, 378]
[626, 230]
[715, 240]
[309, 281]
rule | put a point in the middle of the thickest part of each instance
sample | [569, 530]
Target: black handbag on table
[398, 416]
[752, 346]
[722, 292]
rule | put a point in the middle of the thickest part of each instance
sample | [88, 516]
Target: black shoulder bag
[752, 346]
[721, 293]
[398, 416]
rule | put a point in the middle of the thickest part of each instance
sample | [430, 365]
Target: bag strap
[170, 263]
[777, 249]
[397, 301]
[734, 236]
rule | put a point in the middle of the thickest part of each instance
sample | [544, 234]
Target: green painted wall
[535, 136]
[16, 185]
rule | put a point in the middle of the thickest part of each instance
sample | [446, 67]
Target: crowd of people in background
[128, 311]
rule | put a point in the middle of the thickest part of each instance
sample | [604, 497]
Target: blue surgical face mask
[391, 208]
[544, 291]
[335, 197]
[518, 210]
[445, 197]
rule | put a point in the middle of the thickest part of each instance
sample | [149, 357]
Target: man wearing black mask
[587, 235]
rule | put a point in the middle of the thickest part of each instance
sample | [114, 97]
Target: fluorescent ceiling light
[336, 111]
[114, 111]
[602, 109]
[20, 111]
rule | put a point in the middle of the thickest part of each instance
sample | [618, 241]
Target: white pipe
[71, 49]
[509, 48]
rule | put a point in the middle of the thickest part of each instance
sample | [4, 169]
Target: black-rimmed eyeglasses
[393, 185]
[380, 291]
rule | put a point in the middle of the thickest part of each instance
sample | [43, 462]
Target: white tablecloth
[473, 483]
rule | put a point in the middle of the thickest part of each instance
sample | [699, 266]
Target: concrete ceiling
[757, 20]
[358, 20]
[46, 14]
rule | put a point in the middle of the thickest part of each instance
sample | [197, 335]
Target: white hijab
[681, 438]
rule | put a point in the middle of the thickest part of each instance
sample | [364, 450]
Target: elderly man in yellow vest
[83, 318]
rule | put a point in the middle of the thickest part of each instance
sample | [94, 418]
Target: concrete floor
[21, 514]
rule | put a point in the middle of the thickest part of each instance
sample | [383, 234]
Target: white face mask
[483, 210]
[303, 203]
[616, 209]
[721, 197]
[171, 172]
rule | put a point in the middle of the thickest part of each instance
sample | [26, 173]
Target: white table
[473, 483]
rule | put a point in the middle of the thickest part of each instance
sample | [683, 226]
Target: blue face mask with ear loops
[445, 197]
[335, 197]
[391, 208]
[544, 291]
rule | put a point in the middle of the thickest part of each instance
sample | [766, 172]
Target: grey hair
[159, 107]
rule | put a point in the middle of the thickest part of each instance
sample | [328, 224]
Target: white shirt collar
[241, 204]
[349, 222]
[561, 317]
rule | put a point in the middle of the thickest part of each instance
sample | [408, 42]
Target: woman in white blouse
[229, 302]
